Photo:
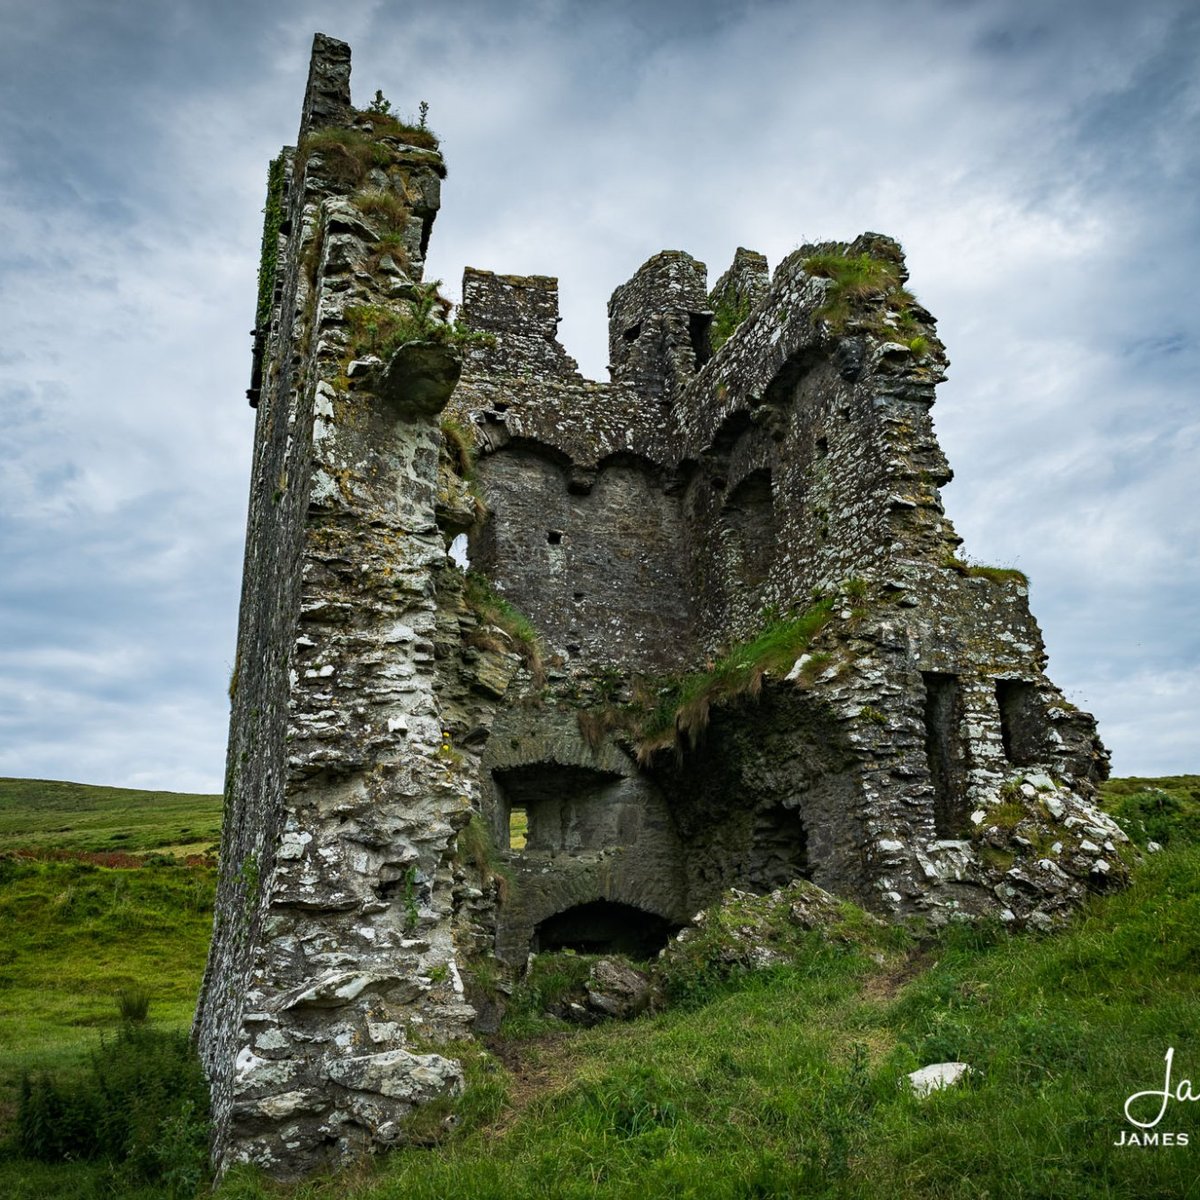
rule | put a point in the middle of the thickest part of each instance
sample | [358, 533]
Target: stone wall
[334, 953]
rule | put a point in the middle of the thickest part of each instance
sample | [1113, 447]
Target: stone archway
[604, 927]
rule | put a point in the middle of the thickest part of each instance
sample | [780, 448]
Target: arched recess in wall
[749, 524]
[604, 927]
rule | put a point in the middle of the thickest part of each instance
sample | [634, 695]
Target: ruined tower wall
[584, 526]
[762, 450]
[334, 942]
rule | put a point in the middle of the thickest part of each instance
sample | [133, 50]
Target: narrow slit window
[945, 752]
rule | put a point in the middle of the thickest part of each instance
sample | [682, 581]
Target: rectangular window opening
[946, 753]
[1020, 720]
[518, 827]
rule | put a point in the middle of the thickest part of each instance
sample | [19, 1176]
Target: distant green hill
[46, 814]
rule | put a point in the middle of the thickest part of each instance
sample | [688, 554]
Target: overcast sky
[1039, 162]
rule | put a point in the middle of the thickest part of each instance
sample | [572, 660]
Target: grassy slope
[790, 1083]
[50, 815]
[75, 934]
[784, 1083]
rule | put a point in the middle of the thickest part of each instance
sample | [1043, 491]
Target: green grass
[775, 1083]
[980, 571]
[75, 936]
[868, 287]
[679, 708]
[1165, 810]
[49, 815]
[727, 316]
[493, 609]
[789, 1082]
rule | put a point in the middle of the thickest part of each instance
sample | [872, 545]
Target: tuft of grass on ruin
[676, 712]
[459, 440]
[970, 570]
[860, 278]
[494, 610]
[386, 207]
[381, 330]
[855, 277]
[389, 125]
[728, 314]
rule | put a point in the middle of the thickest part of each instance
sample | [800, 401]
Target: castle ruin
[716, 633]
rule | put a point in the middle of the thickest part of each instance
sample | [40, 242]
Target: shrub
[142, 1103]
[133, 1004]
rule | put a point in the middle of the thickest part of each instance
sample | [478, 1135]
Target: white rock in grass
[937, 1076]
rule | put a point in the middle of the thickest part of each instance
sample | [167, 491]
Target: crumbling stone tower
[717, 634]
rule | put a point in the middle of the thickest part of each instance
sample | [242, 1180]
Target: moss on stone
[268, 263]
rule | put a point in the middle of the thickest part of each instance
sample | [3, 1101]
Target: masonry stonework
[762, 462]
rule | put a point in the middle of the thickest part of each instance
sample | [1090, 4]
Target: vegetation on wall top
[494, 610]
[268, 263]
[859, 277]
[381, 330]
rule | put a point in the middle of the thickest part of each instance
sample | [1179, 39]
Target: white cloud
[1040, 165]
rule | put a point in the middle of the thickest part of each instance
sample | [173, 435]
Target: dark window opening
[699, 331]
[554, 537]
[604, 927]
[946, 754]
[779, 850]
[633, 332]
[822, 447]
[1021, 721]
[750, 517]
[577, 595]
[565, 807]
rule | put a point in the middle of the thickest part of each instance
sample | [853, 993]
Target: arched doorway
[604, 927]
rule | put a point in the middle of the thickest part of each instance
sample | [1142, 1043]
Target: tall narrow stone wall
[333, 956]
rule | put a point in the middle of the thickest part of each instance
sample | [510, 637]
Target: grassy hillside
[77, 932]
[781, 1083]
[41, 814]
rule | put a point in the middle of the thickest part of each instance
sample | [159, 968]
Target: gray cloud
[1039, 164]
